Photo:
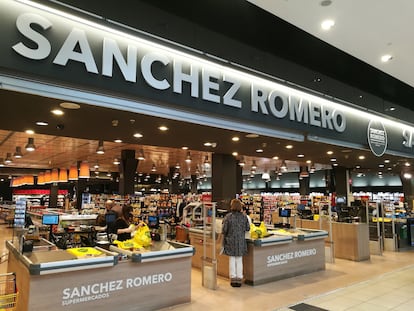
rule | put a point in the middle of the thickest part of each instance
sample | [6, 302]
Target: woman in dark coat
[235, 225]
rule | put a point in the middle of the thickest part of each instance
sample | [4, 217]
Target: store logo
[377, 138]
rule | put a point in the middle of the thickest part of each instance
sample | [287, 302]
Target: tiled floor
[381, 283]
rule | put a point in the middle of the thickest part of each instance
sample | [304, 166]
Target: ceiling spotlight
[153, 168]
[242, 162]
[138, 135]
[118, 141]
[100, 149]
[386, 58]
[8, 159]
[57, 112]
[254, 166]
[327, 24]
[188, 157]
[30, 144]
[96, 166]
[116, 161]
[235, 138]
[18, 154]
[163, 128]
[141, 155]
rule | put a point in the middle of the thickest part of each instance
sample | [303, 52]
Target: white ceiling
[365, 29]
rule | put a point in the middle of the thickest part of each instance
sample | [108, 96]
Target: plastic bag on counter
[142, 235]
[258, 232]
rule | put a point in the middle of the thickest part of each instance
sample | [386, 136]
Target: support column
[127, 169]
[174, 186]
[53, 196]
[342, 186]
[304, 182]
[408, 190]
[226, 179]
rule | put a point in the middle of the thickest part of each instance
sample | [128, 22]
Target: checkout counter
[282, 254]
[93, 278]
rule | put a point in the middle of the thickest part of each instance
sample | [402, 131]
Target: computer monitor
[284, 212]
[153, 222]
[50, 219]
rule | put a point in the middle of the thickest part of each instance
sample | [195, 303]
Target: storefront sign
[57, 47]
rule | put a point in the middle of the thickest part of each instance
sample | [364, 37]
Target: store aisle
[382, 283]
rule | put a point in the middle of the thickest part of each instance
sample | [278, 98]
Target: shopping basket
[8, 291]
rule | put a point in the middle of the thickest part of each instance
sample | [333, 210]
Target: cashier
[123, 226]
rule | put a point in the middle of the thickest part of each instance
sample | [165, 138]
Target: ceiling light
[235, 138]
[235, 154]
[68, 105]
[73, 172]
[387, 161]
[118, 141]
[241, 162]
[333, 159]
[163, 128]
[266, 176]
[8, 159]
[138, 135]
[42, 123]
[289, 147]
[2, 162]
[300, 155]
[386, 58]
[96, 166]
[207, 162]
[252, 135]
[329, 152]
[57, 112]
[100, 149]
[141, 155]
[188, 157]
[327, 24]
[361, 157]
[109, 174]
[177, 166]
[407, 175]
[275, 158]
[116, 161]
[29, 132]
[18, 154]
[407, 164]
[259, 150]
[30, 144]
[153, 168]
[254, 166]
[84, 171]
[208, 144]
[186, 148]
[335, 164]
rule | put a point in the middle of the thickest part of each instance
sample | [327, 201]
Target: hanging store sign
[377, 138]
[63, 48]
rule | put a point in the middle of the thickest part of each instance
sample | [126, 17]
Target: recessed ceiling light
[68, 105]
[42, 123]
[30, 132]
[308, 161]
[57, 112]
[407, 164]
[333, 160]
[138, 135]
[184, 147]
[275, 158]
[235, 153]
[335, 164]
[235, 138]
[118, 140]
[361, 157]
[381, 165]
[163, 128]
[301, 155]
[251, 135]
[259, 150]
[327, 24]
[386, 58]
[289, 147]
[387, 161]
[329, 152]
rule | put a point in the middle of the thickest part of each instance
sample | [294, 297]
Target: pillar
[408, 190]
[226, 179]
[304, 182]
[127, 169]
[53, 196]
[174, 186]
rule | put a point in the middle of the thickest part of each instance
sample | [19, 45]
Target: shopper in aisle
[235, 226]
[123, 226]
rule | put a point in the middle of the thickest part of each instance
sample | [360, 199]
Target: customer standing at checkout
[235, 226]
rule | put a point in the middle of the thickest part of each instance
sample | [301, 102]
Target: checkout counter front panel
[54, 280]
